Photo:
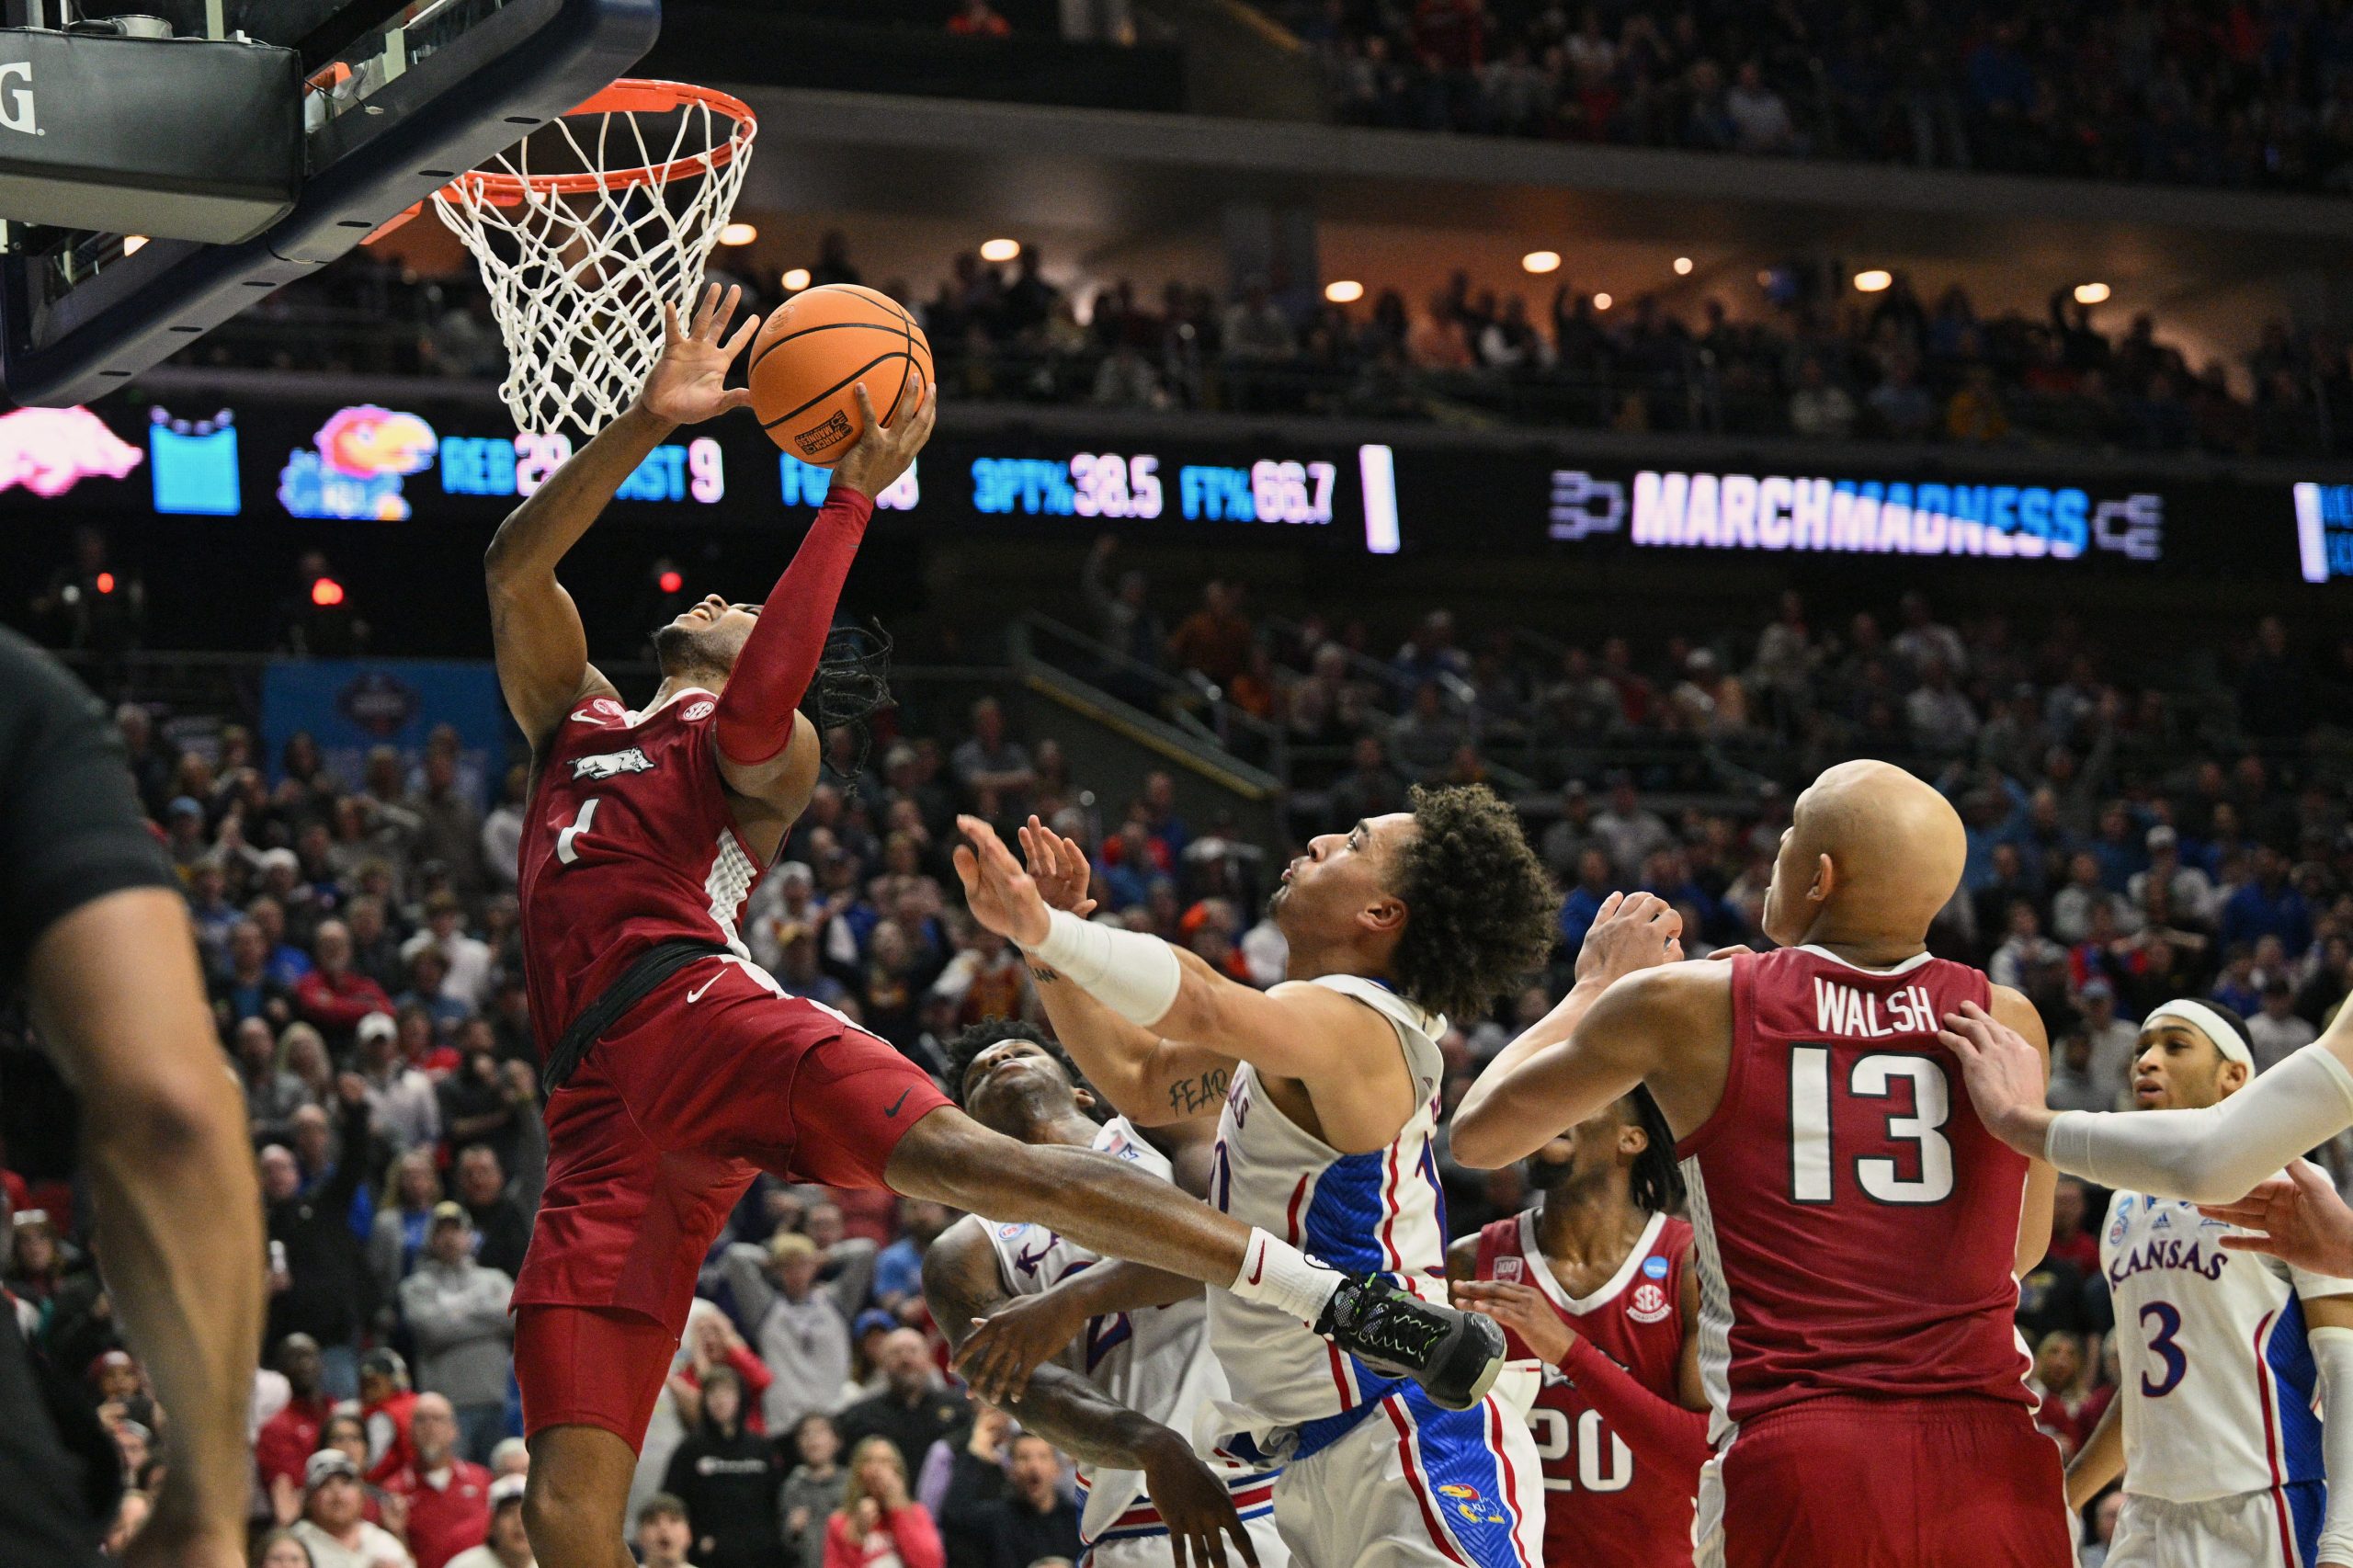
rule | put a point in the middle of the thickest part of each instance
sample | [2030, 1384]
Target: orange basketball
[814, 348]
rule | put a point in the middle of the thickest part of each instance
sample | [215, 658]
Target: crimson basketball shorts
[1959, 1482]
[714, 1077]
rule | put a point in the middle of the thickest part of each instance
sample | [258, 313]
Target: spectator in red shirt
[334, 997]
[289, 1438]
[711, 1341]
[388, 1408]
[978, 19]
[2069, 1239]
[449, 1498]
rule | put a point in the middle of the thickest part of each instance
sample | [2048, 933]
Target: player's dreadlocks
[1655, 1182]
[1481, 913]
[852, 685]
[968, 1044]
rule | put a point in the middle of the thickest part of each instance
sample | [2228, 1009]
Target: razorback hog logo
[611, 764]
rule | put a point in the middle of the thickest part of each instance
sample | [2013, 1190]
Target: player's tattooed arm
[960, 1283]
[1195, 1097]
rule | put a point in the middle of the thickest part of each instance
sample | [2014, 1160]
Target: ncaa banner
[352, 706]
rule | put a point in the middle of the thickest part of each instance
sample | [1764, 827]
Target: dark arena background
[1634, 408]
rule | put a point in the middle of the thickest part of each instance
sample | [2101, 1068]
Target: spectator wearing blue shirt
[1994, 814]
[2269, 905]
[1584, 903]
[2122, 847]
[898, 1269]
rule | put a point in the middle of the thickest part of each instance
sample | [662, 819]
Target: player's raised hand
[1521, 1310]
[882, 452]
[1194, 1503]
[1631, 931]
[2300, 1219]
[2005, 1076]
[1059, 867]
[1015, 1341]
[1002, 896]
[688, 382]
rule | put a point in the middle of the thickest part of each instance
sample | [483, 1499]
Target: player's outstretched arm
[1293, 1031]
[1601, 1040]
[758, 712]
[1029, 1331]
[960, 1283]
[541, 649]
[2328, 1321]
[2296, 1217]
[1151, 1082]
[2213, 1155]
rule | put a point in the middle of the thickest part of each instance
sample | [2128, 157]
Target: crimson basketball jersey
[1603, 1506]
[1855, 1225]
[627, 841]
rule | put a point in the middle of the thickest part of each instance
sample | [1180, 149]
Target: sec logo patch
[698, 711]
[1649, 1304]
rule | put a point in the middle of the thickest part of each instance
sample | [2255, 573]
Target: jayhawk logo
[1471, 1504]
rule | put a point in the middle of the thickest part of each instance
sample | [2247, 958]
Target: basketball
[809, 356]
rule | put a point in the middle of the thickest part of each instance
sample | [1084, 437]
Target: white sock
[1281, 1276]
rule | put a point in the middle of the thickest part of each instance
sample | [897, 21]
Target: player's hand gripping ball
[815, 349]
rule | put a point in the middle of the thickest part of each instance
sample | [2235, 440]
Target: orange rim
[624, 97]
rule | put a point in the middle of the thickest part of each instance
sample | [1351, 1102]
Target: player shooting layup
[1326, 1093]
[1859, 1234]
[676, 1067]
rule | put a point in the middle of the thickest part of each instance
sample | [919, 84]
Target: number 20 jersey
[2217, 1373]
[1854, 1224]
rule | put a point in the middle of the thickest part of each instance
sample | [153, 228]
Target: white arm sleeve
[1134, 975]
[2216, 1155]
[2333, 1348]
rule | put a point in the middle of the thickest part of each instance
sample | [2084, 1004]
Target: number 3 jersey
[2219, 1385]
[1607, 1507]
[1855, 1225]
[627, 841]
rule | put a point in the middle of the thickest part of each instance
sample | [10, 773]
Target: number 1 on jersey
[567, 842]
[1874, 1077]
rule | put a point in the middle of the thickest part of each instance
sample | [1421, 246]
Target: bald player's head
[1871, 855]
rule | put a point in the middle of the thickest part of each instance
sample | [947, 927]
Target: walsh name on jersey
[1843, 1010]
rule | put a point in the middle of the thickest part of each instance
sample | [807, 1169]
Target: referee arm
[102, 942]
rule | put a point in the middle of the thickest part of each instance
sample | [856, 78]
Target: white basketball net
[579, 262]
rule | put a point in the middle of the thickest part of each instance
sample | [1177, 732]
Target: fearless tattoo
[1044, 975]
[1194, 1096]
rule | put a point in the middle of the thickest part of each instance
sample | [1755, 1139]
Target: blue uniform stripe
[2295, 1383]
[1463, 1479]
[2307, 1504]
[1342, 1224]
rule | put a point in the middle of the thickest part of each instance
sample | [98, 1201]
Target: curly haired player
[1326, 1093]
[676, 1067]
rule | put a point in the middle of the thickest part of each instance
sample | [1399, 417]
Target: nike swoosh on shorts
[696, 994]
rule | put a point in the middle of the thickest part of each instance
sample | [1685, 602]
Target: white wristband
[1134, 975]
[2332, 1349]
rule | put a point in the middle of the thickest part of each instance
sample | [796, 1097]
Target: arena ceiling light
[2091, 294]
[1344, 290]
[738, 234]
[130, 244]
[796, 280]
[1602, 302]
[1540, 261]
[1683, 266]
[1000, 250]
[1873, 280]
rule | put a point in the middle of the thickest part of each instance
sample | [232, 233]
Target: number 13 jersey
[2216, 1372]
[1854, 1224]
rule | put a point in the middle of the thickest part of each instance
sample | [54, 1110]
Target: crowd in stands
[2135, 833]
[2254, 94]
[1801, 355]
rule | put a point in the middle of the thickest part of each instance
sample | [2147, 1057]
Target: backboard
[403, 95]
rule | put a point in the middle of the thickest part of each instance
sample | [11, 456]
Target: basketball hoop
[629, 194]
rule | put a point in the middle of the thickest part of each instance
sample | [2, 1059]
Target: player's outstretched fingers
[1736, 951]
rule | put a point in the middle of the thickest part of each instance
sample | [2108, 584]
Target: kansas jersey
[2219, 1385]
[1377, 1213]
[1855, 1225]
[628, 840]
[1605, 1507]
[1155, 1362]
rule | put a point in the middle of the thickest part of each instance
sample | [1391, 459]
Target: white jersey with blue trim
[1377, 1213]
[2219, 1386]
[1155, 1362]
